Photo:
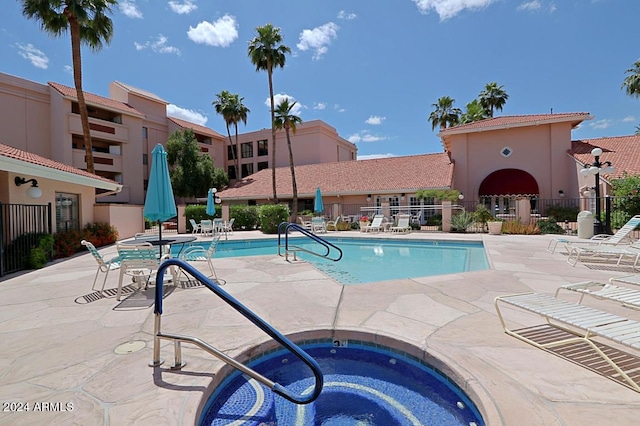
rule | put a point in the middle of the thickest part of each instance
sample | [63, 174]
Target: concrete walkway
[64, 349]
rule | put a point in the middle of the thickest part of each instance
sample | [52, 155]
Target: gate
[21, 226]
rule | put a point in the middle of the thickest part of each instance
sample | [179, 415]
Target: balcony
[101, 161]
[100, 129]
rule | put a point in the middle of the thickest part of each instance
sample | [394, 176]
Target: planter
[363, 225]
[495, 228]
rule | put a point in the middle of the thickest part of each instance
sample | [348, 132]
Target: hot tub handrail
[284, 228]
[247, 313]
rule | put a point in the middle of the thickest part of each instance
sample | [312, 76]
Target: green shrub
[562, 213]
[272, 215]
[516, 228]
[246, 216]
[37, 258]
[343, 226]
[550, 226]
[100, 234]
[461, 221]
[482, 215]
[435, 220]
[198, 212]
[67, 243]
[354, 225]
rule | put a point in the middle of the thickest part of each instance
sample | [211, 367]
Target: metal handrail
[247, 313]
[284, 228]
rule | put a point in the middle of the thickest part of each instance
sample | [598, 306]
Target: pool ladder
[285, 227]
[158, 335]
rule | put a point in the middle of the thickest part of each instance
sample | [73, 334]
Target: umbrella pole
[160, 237]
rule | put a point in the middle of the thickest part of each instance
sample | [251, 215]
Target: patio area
[84, 358]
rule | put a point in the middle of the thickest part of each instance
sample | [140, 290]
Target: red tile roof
[18, 154]
[507, 121]
[202, 130]
[622, 151]
[91, 99]
[383, 175]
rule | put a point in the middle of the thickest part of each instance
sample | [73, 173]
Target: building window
[145, 133]
[232, 153]
[247, 169]
[145, 159]
[263, 165]
[231, 172]
[247, 149]
[67, 212]
[263, 148]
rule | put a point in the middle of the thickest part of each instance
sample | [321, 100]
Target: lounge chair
[376, 224]
[306, 224]
[103, 266]
[622, 236]
[623, 290]
[332, 225]
[318, 225]
[604, 253]
[569, 324]
[403, 224]
[198, 253]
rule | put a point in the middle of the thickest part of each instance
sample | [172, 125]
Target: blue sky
[371, 69]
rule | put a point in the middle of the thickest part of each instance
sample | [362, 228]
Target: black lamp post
[594, 169]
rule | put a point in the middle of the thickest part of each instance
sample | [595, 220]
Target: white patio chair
[228, 226]
[103, 266]
[198, 253]
[195, 227]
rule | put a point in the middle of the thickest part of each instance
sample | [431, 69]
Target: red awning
[508, 182]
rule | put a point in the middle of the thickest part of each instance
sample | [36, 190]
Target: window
[247, 169]
[231, 172]
[263, 165]
[247, 149]
[67, 212]
[232, 153]
[263, 148]
[145, 133]
[145, 159]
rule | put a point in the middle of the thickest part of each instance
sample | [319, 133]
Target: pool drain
[130, 347]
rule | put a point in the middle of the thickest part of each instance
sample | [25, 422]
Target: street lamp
[595, 169]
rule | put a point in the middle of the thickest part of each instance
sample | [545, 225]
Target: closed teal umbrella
[318, 206]
[159, 205]
[211, 207]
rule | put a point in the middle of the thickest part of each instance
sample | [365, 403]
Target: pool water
[363, 385]
[366, 260]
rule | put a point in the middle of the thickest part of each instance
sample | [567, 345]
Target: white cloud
[375, 120]
[320, 106]
[220, 33]
[449, 8]
[374, 156]
[159, 45]
[68, 69]
[184, 8]
[338, 108]
[530, 6]
[277, 98]
[36, 56]
[628, 119]
[186, 114]
[365, 136]
[348, 16]
[318, 39]
[601, 124]
[130, 9]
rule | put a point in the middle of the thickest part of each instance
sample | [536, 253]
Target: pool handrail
[284, 228]
[247, 313]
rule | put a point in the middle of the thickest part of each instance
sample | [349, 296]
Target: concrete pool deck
[62, 345]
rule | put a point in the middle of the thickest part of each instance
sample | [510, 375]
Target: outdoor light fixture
[461, 197]
[33, 191]
[368, 197]
[561, 193]
[216, 199]
[402, 196]
[595, 169]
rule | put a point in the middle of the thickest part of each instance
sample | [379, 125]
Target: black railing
[21, 227]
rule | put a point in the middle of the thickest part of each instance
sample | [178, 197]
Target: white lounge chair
[376, 224]
[403, 224]
[622, 236]
[604, 253]
[569, 324]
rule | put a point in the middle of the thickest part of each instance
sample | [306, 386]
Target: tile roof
[91, 99]
[18, 154]
[195, 127]
[382, 175]
[622, 151]
[507, 121]
[141, 92]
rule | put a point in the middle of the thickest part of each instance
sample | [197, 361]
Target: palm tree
[444, 114]
[88, 23]
[287, 121]
[474, 112]
[631, 83]
[266, 53]
[493, 97]
[233, 111]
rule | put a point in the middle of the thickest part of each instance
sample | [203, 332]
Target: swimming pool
[364, 384]
[367, 260]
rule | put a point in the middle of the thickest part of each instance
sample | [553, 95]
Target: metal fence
[21, 226]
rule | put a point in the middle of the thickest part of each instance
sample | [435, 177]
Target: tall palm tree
[474, 112]
[631, 83]
[88, 24]
[233, 111]
[267, 52]
[493, 97]
[287, 121]
[444, 114]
